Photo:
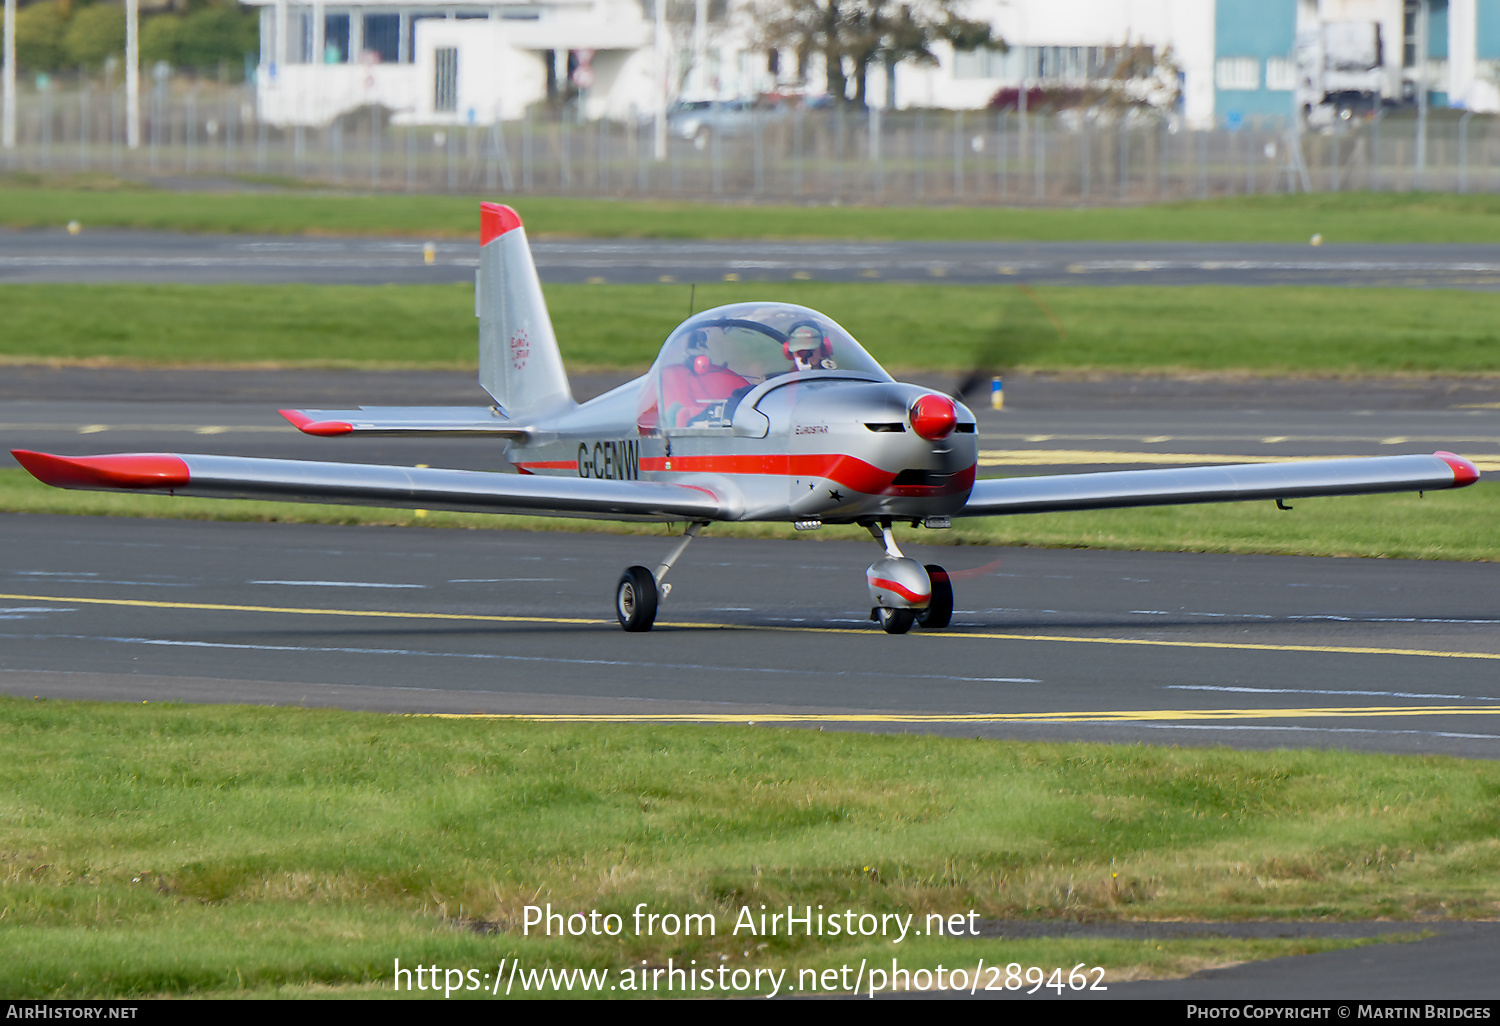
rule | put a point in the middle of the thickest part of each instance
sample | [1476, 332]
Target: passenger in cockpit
[807, 347]
[694, 389]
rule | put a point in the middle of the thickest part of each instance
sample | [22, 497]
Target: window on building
[1281, 73]
[1237, 73]
[268, 35]
[383, 36]
[335, 39]
[445, 83]
[411, 34]
[299, 36]
[980, 63]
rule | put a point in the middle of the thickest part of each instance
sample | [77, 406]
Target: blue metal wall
[1437, 29]
[1259, 29]
[1487, 34]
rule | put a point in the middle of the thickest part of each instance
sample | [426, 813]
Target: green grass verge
[1273, 331]
[219, 850]
[1339, 217]
[1444, 525]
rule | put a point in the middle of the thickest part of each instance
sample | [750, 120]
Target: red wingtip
[1464, 472]
[326, 428]
[495, 219]
[127, 470]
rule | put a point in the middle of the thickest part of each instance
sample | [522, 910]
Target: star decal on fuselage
[835, 495]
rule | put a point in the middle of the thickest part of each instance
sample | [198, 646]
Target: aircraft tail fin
[519, 362]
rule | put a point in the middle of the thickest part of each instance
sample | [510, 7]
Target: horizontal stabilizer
[239, 477]
[406, 420]
[1302, 478]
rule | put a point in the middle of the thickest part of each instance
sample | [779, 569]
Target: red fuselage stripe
[850, 471]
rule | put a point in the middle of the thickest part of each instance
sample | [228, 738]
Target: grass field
[1340, 217]
[218, 851]
[1268, 331]
[1443, 525]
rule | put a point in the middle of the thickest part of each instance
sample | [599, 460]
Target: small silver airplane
[756, 411]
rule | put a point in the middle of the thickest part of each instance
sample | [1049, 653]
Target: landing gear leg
[893, 581]
[640, 589]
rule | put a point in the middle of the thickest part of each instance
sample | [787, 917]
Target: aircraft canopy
[716, 357]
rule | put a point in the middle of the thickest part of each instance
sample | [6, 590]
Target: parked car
[700, 120]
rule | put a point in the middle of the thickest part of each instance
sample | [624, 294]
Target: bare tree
[863, 32]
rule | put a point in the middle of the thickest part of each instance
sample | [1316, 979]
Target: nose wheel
[895, 621]
[904, 592]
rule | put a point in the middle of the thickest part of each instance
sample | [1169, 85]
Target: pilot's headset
[807, 347]
[697, 351]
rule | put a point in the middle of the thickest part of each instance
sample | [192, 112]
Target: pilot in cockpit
[807, 347]
[696, 389]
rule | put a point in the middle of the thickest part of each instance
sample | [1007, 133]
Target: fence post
[1463, 151]
[46, 91]
[918, 156]
[1202, 164]
[1041, 160]
[958, 154]
[526, 144]
[1001, 156]
[1085, 182]
[759, 157]
[601, 152]
[190, 131]
[1124, 160]
[83, 123]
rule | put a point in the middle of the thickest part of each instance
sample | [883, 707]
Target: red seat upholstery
[686, 394]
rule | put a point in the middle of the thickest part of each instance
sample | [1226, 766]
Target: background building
[1207, 61]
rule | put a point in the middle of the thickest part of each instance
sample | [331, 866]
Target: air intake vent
[928, 478]
[894, 425]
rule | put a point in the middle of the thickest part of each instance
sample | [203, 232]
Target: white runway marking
[1319, 691]
[503, 657]
[1320, 616]
[498, 580]
[338, 584]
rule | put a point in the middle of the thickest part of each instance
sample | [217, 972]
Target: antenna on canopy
[692, 298]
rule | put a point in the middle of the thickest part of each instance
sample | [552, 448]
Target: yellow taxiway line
[1115, 716]
[1244, 646]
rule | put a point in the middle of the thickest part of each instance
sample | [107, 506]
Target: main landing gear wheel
[895, 621]
[635, 599]
[939, 609]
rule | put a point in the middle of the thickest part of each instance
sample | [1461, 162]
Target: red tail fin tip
[495, 219]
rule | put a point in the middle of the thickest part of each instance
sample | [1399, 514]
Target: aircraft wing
[239, 477]
[407, 420]
[1112, 489]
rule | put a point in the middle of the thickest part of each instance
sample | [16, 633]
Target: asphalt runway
[1396, 656]
[109, 255]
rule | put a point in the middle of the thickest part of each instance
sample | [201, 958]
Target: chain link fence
[815, 156]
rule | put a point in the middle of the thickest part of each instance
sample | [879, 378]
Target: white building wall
[1186, 26]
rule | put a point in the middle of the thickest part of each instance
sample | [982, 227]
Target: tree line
[67, 35]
